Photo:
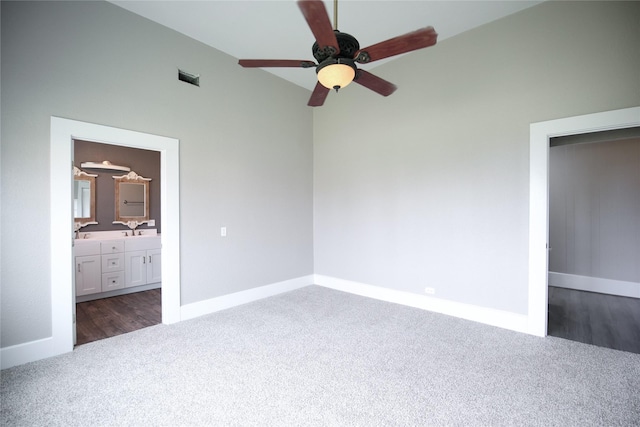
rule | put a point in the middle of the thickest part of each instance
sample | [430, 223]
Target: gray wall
[430, 186]
[245, 149]
[594, 210]
[144, 162]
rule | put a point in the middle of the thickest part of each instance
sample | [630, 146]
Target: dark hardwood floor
[108, 317]
[599, 319]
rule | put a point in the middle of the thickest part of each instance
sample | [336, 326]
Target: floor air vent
[189, 78]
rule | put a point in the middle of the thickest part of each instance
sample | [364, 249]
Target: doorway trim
[63, 132]
[539, 136]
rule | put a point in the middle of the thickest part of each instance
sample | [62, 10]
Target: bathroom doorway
[63, 132]
[114, 307]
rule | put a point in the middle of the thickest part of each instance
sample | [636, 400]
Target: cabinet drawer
[112, 262]
[86, 247]
[111, 281]
[112, 246]
[142, 243]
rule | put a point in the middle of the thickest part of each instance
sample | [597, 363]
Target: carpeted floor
[316, 356]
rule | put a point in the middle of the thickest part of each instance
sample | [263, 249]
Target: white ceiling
[276, 29]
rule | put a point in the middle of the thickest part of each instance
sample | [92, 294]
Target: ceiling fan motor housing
[346, 42]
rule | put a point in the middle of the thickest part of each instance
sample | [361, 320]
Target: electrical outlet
[429, 291]
[152, 223]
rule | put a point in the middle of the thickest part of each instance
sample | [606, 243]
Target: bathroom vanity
[110, 263]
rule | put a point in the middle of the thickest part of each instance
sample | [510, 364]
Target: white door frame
[540, 134]
[63, 132]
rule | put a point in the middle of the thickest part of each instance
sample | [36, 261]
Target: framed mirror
[84, 198]
[131, 200]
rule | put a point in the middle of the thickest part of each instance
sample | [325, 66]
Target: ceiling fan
[338, 52]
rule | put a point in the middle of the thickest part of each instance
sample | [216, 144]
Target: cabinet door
[135, 268]
[154, 265]
[88, 275]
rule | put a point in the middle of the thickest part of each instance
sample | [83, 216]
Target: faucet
[125, 234]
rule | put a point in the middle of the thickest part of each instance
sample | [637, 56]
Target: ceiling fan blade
[415, 40]
[318, 96]
[318, 19]
[263, 63]
[374, 83]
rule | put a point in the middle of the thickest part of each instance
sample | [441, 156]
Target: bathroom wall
[145, 163]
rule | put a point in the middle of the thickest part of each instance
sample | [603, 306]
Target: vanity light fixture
[105, 165]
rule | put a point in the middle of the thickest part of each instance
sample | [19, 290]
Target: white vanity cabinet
[143, 261]
[111, 267]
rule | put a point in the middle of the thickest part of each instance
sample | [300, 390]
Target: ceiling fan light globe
[333, 75]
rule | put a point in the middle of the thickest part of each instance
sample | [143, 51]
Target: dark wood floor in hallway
[592, 318]
[108, 317]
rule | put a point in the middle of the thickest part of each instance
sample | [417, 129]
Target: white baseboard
[41, 349]
[28, 352]
[118, 292]
[44, 348]
[595, 284]
[212, 305]
[503, 319]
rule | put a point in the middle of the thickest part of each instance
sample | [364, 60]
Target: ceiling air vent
[192, 79]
